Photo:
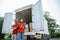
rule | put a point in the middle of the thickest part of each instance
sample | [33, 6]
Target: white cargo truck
[30, 13]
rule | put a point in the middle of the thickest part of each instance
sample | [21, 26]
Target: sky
[52, 6]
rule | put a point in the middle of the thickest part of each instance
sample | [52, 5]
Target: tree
[51, 23]
[1, 23]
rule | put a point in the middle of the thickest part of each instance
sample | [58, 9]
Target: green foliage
[57, 34]
[1, 23]
[7, 36]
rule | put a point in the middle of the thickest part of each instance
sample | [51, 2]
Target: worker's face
[21, 20]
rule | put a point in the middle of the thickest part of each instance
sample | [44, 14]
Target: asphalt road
[54, 39]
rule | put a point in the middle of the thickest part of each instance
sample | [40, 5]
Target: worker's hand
[21, 27]
[14, 28]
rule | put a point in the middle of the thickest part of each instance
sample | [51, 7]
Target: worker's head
[21, 20]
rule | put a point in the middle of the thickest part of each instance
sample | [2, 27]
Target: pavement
[54, 39]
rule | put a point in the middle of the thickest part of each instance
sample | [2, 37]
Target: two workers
[18, 30]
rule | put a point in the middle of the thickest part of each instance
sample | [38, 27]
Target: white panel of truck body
[36, 17]
[45, 27]
[23, 8]
[39, 22]
[7, 24]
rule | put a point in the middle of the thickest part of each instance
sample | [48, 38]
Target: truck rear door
[36, 17]
[7, 24]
